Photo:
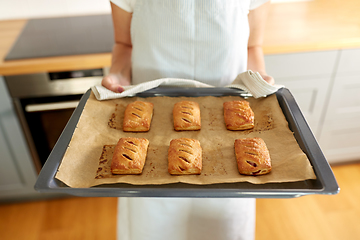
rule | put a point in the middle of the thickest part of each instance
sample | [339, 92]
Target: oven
[44, 102]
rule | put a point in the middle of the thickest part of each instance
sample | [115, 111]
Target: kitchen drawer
[341, 142]
[301, 64]
[349, 61]
[344, 104]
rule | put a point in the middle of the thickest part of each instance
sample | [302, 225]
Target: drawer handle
[42, 107]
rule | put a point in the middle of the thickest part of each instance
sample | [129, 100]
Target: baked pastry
[238, 115]
[252, 156]
[184, 156]
[186, 115]
[129, 156]
[138, 116]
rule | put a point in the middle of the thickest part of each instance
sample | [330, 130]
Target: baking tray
[325, 183]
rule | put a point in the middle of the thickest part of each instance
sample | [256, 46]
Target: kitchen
[328, 33]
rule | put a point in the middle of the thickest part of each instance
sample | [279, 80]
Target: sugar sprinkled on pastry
[129, 156]
[137, 117]
[184, 156]
[252, 156]
[186, 115]
[238, 115]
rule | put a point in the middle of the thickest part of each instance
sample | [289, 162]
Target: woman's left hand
[267, 78]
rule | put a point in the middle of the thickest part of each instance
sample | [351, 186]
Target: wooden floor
[330, 217]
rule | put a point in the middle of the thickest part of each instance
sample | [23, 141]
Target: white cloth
[248, 81]
[254, 84]
[204, 40]
[102, 93]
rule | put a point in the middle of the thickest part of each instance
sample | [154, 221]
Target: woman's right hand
[115, 82]
[120, 70]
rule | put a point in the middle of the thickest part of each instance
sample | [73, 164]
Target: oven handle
[42, 107]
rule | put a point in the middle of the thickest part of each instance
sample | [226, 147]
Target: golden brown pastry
[184, 156]
[238, 115]
[186, 116]
[252, 156]
[138, 116]
[129, 156]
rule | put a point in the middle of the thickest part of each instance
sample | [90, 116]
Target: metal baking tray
[325, 183]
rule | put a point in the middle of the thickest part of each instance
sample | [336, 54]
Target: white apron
[205, 40]
[186, 219]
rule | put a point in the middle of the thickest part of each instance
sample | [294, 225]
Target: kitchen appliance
[45, 101]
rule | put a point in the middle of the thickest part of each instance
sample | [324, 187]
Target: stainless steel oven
[44, 103]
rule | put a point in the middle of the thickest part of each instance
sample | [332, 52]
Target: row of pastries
[238, 115]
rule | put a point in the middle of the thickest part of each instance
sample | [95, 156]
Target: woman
[211, 41]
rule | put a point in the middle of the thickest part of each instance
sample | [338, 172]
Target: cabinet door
[9, 174]
[17, 174]
[310, 94]
[340, 135]
[308, 77]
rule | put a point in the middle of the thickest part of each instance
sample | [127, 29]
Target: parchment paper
[87, 160]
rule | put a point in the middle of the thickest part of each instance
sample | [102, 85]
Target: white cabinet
[326, 86]
[17, 173]
[308, 77]
[340, 134]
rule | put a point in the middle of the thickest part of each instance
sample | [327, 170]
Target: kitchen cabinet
[308, 77]
[340, 133]
[17, 173]
[326, 86]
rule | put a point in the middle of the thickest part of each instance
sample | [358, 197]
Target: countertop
[315, 25]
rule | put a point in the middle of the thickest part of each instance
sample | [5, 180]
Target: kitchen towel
[248, 81]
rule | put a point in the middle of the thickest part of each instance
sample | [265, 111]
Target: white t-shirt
[128, 5]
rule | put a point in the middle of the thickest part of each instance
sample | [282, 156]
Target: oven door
[44, 103]
[45, 118]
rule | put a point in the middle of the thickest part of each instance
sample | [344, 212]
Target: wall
[20, 9]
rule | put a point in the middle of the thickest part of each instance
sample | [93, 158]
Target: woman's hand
[267, 78]
[257, 21]
[120, 70]
[115, 82]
